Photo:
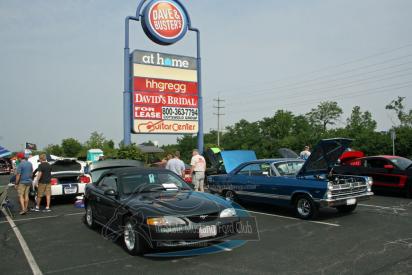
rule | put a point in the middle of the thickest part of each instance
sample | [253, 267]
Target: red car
[5, 166]
[388, 172]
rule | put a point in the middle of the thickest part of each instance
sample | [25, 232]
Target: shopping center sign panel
[165, 93]
[164, 21]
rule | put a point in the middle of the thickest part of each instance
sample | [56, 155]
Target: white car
[68, 178]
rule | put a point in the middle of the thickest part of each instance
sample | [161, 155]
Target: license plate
[70, 190]
[207, 231]
[350, 201]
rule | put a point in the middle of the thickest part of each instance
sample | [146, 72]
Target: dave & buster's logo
[164, 21]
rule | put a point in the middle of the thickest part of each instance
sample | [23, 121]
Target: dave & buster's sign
[164, 21]
[165, 93]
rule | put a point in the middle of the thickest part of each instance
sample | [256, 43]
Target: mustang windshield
[152, 182]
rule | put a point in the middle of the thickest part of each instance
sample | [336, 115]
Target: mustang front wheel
[131, 239]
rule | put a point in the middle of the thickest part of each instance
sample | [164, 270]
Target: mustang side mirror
[388, 166]
[110, 192]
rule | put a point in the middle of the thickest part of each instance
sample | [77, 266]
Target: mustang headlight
[228, 212]
[330, 185]
[165, 221]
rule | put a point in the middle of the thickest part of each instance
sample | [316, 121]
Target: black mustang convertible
[154, 208]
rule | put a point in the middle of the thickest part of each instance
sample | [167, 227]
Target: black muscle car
[153, 208]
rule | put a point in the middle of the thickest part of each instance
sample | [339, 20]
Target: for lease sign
[165, 93]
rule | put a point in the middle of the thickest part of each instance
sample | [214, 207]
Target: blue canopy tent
[4, 152]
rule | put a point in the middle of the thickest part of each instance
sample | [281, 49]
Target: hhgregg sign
[164, 21]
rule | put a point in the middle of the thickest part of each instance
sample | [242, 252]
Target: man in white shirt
[176, 165]
[198, 169]
[305, 153]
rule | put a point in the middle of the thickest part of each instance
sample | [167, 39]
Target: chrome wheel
[129, 236]
[304, 207]
[230, 195]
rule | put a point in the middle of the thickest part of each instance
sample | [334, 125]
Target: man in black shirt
[44, 179]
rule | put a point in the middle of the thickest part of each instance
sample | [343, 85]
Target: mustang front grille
[204, 218]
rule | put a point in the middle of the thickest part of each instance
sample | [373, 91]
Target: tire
[132, 241]
[89, 218]
[346, 208]
[408, 190]
[229, 195]
[305, 207]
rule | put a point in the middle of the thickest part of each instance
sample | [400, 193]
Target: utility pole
[218, 114]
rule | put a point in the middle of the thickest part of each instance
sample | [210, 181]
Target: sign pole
[127, 94]
[200, 141]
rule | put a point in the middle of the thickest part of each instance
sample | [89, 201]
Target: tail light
[53, 181]
[84, 179]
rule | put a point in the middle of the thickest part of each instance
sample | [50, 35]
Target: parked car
[154, 208]
[5, 166]
[388, 172]
[68, 179]
[306, 186]
[96, 169]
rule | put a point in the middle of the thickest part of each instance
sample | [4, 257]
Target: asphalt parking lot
[375, 239]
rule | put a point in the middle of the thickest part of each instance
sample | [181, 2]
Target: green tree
[96, 141]
[130, 152]
[54, 149]
[405, 117]
[243, 135]
[360, 121]
[71, 147]
[326, 113]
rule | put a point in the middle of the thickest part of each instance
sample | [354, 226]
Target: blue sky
[62, 62]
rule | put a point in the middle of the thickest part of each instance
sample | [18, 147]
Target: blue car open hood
[232, 158]
[324, 156]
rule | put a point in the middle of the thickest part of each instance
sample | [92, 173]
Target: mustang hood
[324, 156]
[176, 203]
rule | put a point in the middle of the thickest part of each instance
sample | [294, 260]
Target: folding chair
[4, 201]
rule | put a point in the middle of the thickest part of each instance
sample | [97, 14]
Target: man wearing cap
[198, 170]
[23, 181]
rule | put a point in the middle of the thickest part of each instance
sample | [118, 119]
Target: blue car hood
[231, 159]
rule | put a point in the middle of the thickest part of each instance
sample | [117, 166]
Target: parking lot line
[29, 256]
[44, 217]
[382, 207]
[292, 218]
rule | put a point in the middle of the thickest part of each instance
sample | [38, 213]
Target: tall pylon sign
[162, 91]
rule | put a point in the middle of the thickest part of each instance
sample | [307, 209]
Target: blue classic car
[306, 186]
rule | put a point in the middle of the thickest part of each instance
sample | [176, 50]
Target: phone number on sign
[173, 113]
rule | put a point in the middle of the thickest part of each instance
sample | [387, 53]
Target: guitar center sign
[165, 93]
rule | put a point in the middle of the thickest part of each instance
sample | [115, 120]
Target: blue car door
[251, 183]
